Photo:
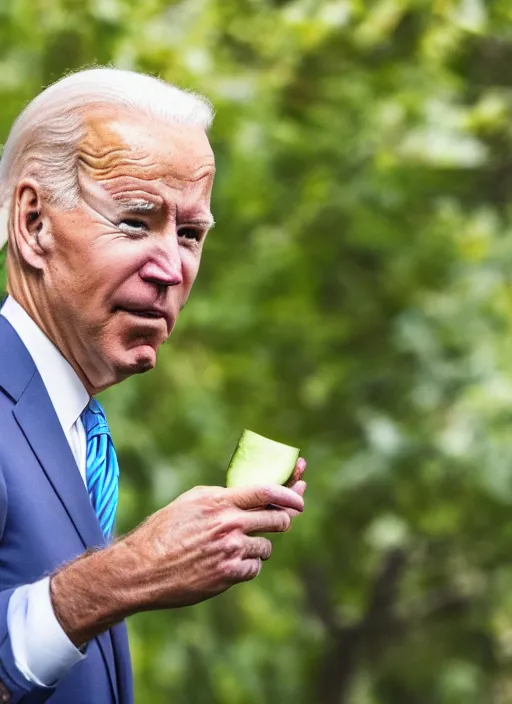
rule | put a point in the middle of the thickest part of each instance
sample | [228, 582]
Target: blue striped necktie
[102, 468]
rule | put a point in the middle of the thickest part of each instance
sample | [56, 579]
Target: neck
[35, 303]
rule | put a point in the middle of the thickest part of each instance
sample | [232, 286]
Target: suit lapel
[40, 425]
[38, 421]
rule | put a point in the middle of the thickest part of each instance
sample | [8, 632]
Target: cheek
[190, 266]
[115, 261]
[114, 265]
[89, 278]
[89, 252]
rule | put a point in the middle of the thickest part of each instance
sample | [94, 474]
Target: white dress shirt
[42, 651]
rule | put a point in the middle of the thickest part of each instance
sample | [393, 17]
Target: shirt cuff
[42, 651]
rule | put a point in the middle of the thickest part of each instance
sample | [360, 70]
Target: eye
[190, 233]
[132, 225]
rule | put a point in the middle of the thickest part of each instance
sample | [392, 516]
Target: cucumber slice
[259, 460]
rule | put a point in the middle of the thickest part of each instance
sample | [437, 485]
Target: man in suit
[105, 186]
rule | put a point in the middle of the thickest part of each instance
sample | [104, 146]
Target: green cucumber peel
[259, 460]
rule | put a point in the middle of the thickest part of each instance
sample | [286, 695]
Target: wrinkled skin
[130, 248]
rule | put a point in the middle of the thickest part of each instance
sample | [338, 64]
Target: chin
[137, 361]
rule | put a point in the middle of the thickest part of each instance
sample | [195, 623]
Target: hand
[194, 548]
[201, 543]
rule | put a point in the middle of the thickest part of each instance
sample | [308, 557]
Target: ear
[31, 223]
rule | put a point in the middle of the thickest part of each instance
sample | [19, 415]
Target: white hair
[44, 139]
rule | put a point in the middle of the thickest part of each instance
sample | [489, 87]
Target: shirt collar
[67, 393]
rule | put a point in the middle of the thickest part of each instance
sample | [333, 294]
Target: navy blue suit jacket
[46, 519]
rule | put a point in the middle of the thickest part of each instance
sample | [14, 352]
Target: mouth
[144, 313]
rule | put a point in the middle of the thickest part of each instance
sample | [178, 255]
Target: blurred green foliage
[354, 299]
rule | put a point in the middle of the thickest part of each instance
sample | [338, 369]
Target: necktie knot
[94, 420]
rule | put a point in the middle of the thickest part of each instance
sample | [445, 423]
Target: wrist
[86, 597]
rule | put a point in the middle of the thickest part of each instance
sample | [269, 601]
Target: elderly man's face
[123, 262]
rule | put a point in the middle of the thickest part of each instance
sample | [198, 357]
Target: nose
[165, 268]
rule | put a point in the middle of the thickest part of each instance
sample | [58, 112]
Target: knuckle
[196, 491]
[267, 549]
[285, 522]
[266, 494]
[232, 520]
[194, 495]
[205, 492]
[227, 572]
[232, 545]
[236, 570]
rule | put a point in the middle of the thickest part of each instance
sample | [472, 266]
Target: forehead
[132, 146]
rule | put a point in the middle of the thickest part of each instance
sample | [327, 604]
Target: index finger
[259, 496]
[298, 472]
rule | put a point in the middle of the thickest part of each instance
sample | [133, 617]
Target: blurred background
[355, 299]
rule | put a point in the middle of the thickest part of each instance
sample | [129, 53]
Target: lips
[144, 313]
[149, 313]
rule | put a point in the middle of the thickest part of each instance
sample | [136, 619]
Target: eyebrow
[141, 206]
[138, 206]
[207, 223]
